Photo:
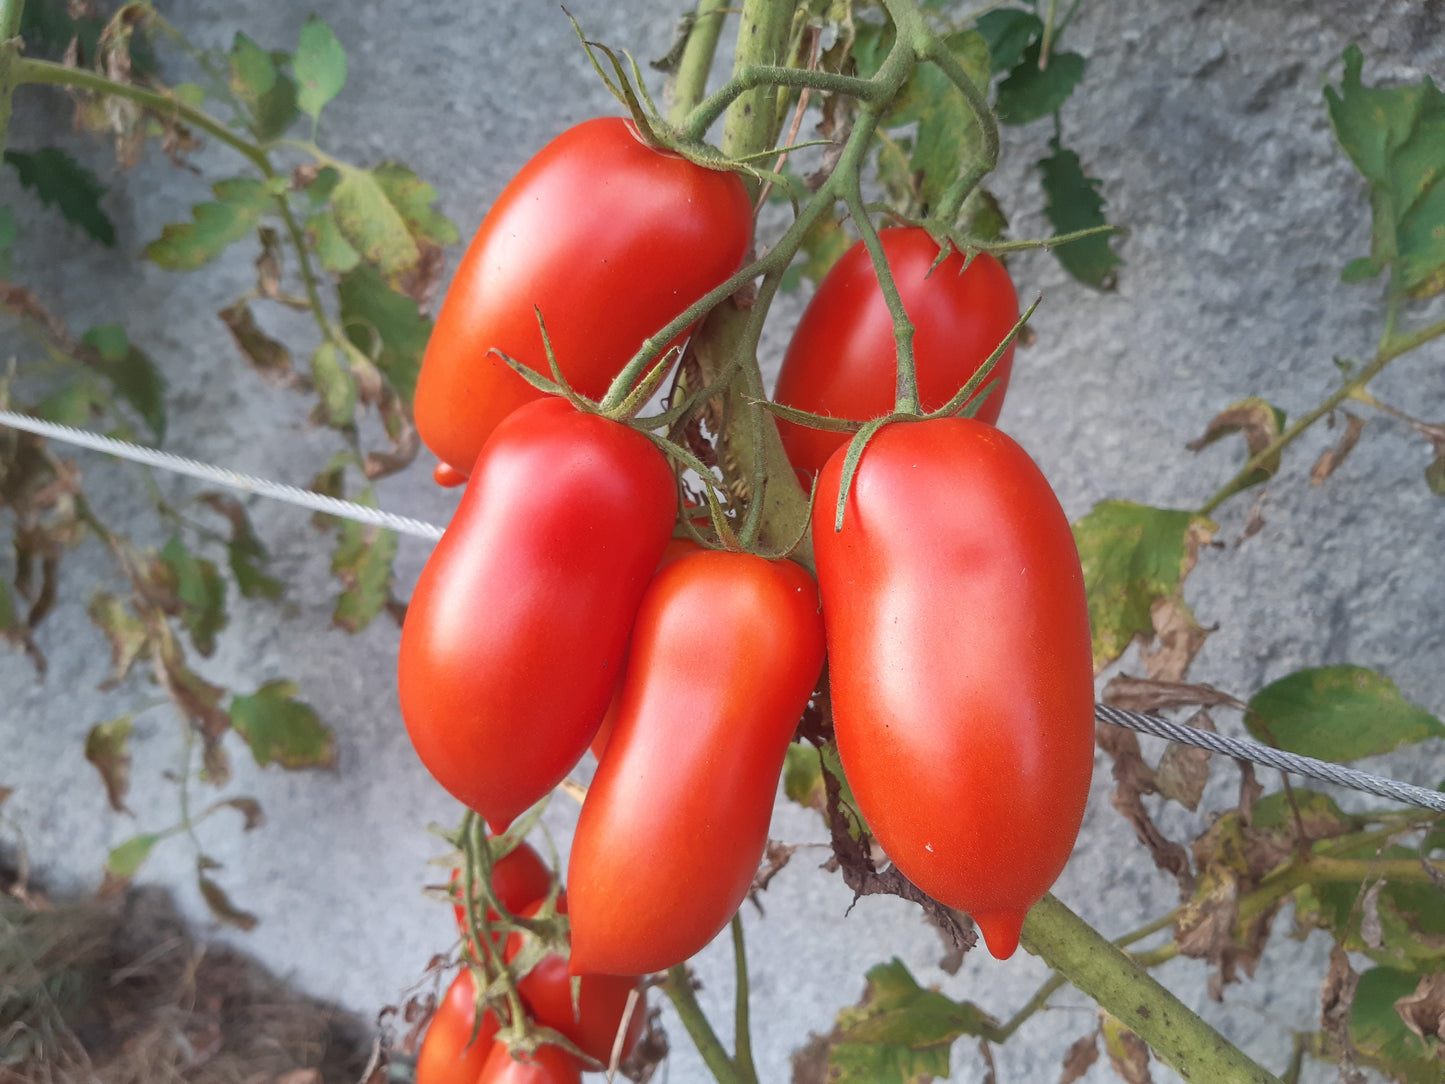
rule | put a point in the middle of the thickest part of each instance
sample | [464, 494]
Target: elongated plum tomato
[962, 679]
[449, 1053]
[601, 1000]
[519, 878]
[517, 628]
[725, 653]
[546, 1065]
[842, 360]
[610, 239]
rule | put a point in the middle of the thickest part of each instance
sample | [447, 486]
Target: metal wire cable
[1238, 748]
[247, 483]
[1242, 749]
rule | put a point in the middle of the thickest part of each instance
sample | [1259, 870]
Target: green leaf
[386, 326]
[362, 562]
[244, 551]
[125, 860]
[281, 729]
[334, 386]
[335, 251]
[320, 66]
[1028, 93]
[253, 72]
[413, 197]
[1396, 138]
[372, 224]
[1074, 204]
[1435, 471]
[47, 27]
[276, 111]
[1360, 269]
[7, 239]
[1319, 813]
[74, 404]
[107, 746]
[1008, 32]
[947, 134]
[1132, 555]
[803, 776]
[1380, 1035]
[133, 375]
[185, 246]
[201, 592]
[899, 1033]
[1338, 713]
[63, 183]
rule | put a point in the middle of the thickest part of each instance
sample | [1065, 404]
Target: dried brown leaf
[1337, 997]
[1371, 931]
[1179, 637]
[269, 357]
[1183, 770]
[421, 282]
[1133, 778]
[1328, 463]
[222, 907]
[990, 1074]
[1080, 1057]
[268, 264]
[1255, 521]
[1424, 1010]
[107, 746]
[1147, 695]
[1128, 1054]
[775, 857]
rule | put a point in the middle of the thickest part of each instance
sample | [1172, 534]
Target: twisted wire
[1238, 748]
[247, 483]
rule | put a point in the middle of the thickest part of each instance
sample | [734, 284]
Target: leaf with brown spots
[1128, 1054]
[1260, 423]
[107, 746]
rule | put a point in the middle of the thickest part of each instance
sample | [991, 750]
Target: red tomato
[842, 360]
[725, 653]
[601, 1001]
[962, 677]
[610, 239]
[519, 878]
[449, 1055]
[519, 622]
[549, 1065]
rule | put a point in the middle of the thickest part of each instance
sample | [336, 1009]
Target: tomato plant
[519, 878]
[519, 622]
[725, 653]
[841, 359]
[601, 1000]
[609, 238]
[959, 660]
[455, 1047]
[546, 1065]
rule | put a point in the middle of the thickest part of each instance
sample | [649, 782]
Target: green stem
[10, 15]
[690, 83]
[1184, 1042]
[678, 989]
[742, 1036]
[43, 72]
[1391, 347]
[308, 276]
[753, 77]
[1046, 44]
[749, 123]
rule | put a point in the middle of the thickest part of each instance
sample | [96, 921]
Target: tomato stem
[678, 988]
[742, 1038]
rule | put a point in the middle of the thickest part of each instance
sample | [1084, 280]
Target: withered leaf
[249, 808]
[222, 907]
[1133, 778]
[1424, 1010]
[1258, 421]
[1371, 932]
[1128, 1053]
[1146, 695]
[107, 746]
[1183, 770]
[1179, 635]
[1330, 461]
[269, 357]
[1337, 995]
[1080, 1057]
[268, 263]
[127, 634]
[775, 857]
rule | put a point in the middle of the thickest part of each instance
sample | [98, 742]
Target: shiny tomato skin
[960, 666]
[519, 878]
[842, 360]
[601, 1000]
[725, 653]
[610, 239]
[519, 622]
[547, 1065]
[448, 1053]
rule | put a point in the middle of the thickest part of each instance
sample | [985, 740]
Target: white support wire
[1238, 748]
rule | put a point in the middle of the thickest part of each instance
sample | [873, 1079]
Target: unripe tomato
[519, 878]
[960, 667]
[610, 239]
[449, 1054]
[725, 653]
[601, 1000]
[547, 1065]
[842, 360]
[519, 622]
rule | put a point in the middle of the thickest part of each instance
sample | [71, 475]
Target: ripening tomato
[610, 239]
[962, 677]
[547, 1065]
[601, 1000]
[842, 360]
[449, 1053]
[519, 878]
[725, 653]
[519, 622]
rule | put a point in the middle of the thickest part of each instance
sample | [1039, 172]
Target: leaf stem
[690, 83]
[758, 76]
[742, 1037]
[1391, 347]
[1183, 1041]
[678, 988]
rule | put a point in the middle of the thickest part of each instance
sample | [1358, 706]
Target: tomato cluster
[558, 610]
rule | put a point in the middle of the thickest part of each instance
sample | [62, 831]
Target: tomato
[548, 1065]
[516, 631]
[519, 878]
[610, 239]
[725, 653]
[601, 1001]
[449, 1054]
[842, 360]
[962, 677]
